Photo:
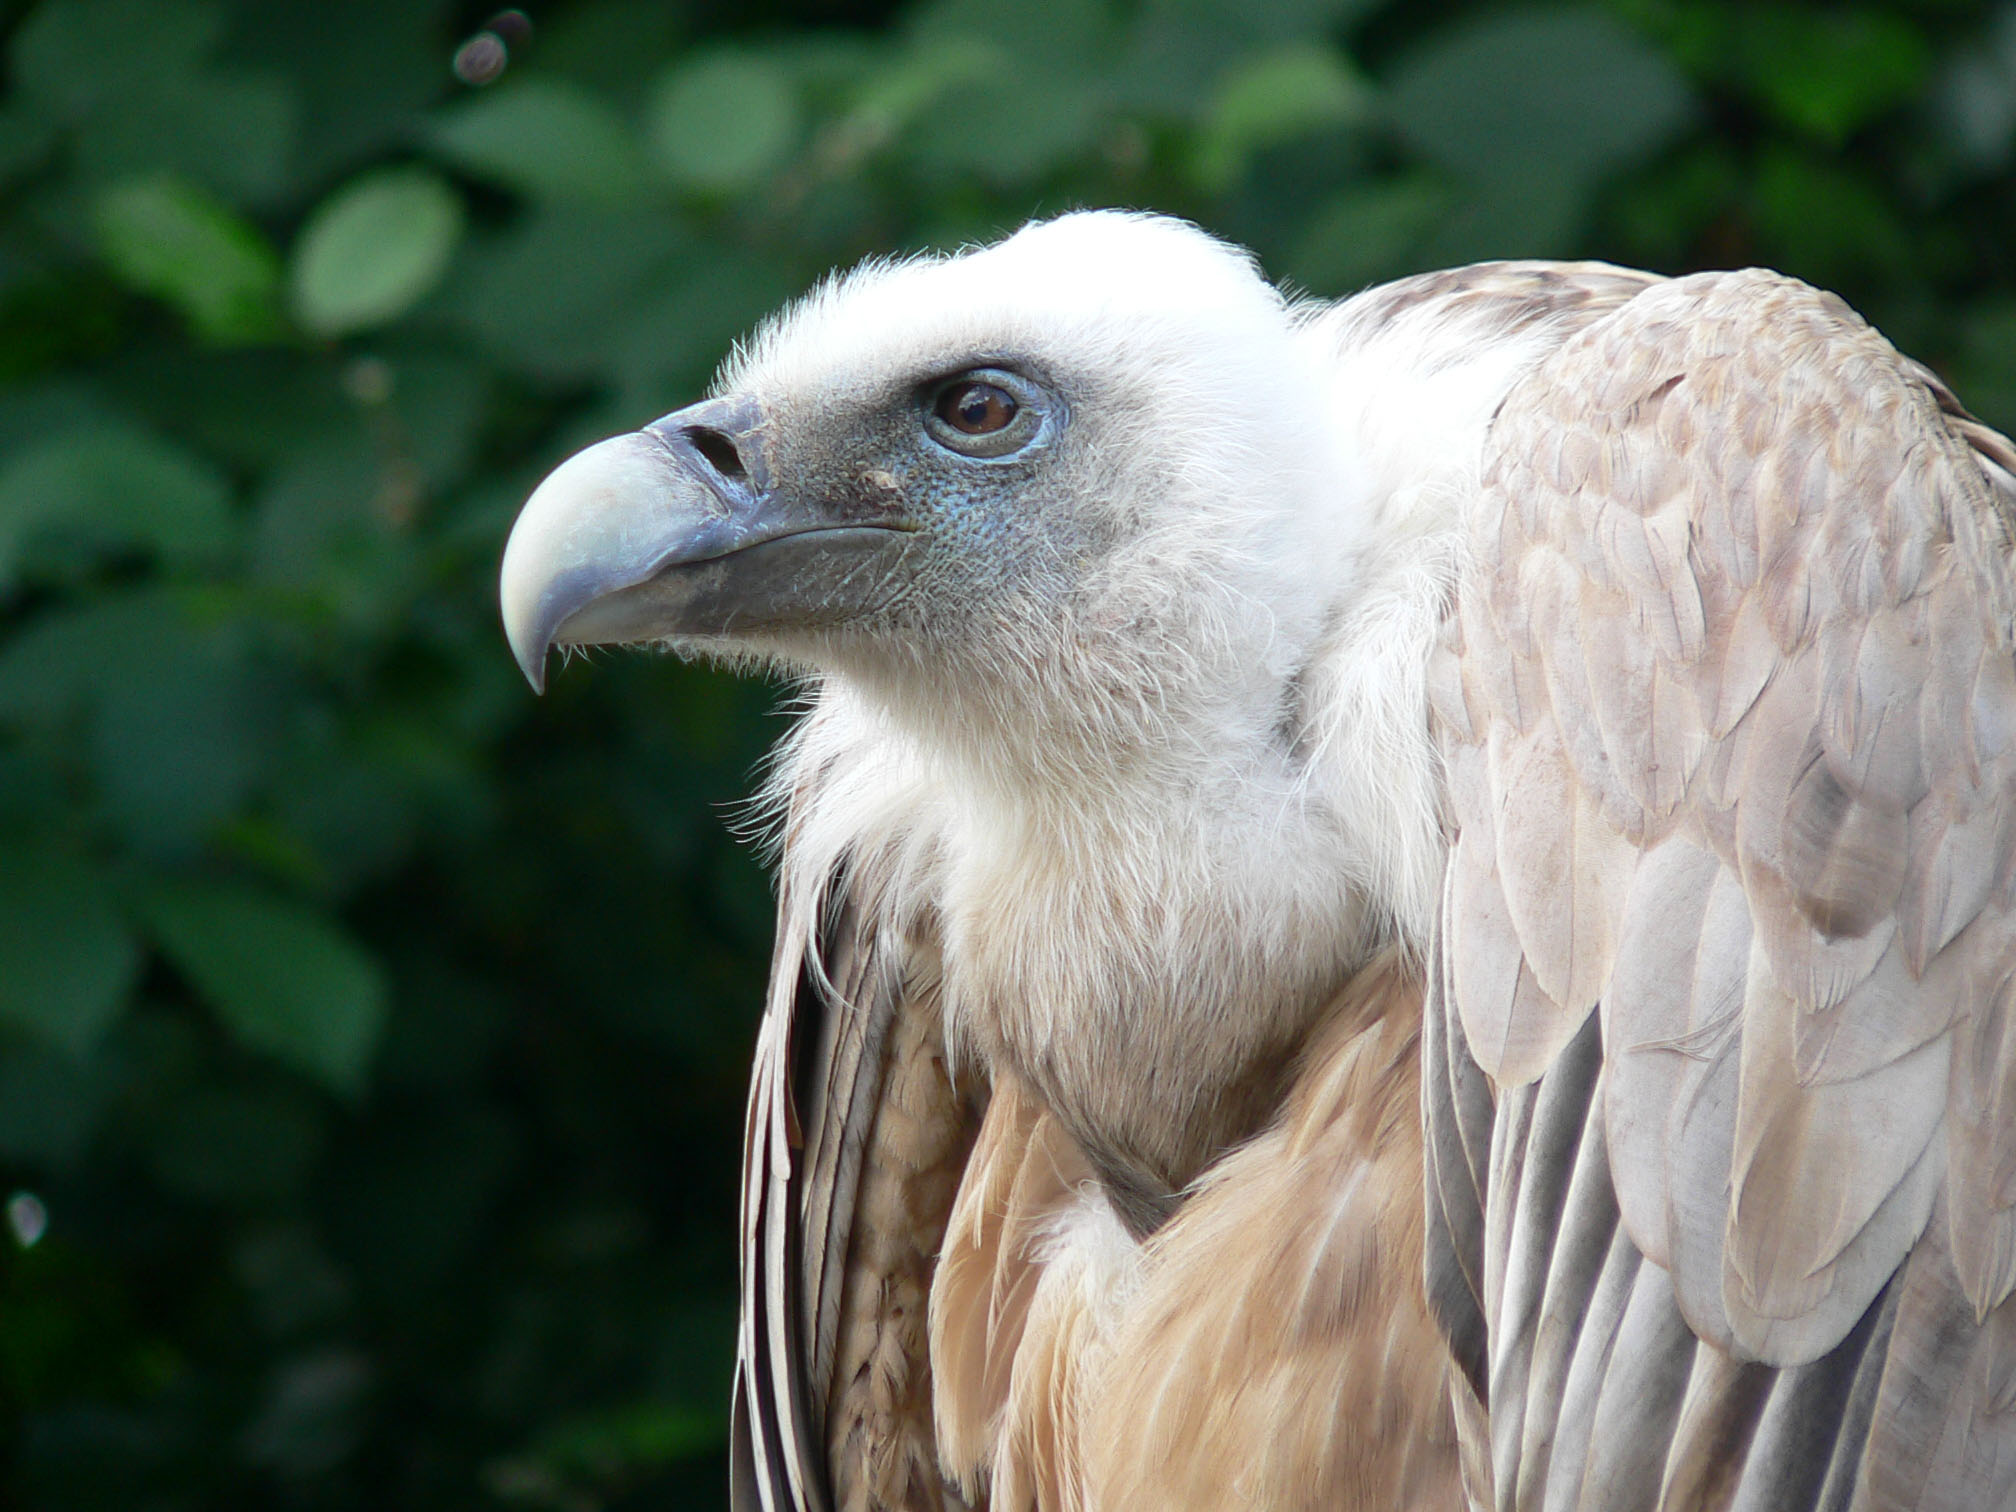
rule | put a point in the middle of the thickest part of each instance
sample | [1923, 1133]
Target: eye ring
[985, 414]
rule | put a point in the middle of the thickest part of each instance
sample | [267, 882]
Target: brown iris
[976, 409]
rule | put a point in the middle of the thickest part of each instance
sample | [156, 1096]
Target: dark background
[372, 1034]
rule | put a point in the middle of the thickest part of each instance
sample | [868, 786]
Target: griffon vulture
[1382, 903]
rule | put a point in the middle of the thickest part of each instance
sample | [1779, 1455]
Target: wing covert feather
[1733, 775]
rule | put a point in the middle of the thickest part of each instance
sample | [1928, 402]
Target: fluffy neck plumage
[1147, 884]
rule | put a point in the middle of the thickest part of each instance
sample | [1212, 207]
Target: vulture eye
[976, 409]
[985, 413]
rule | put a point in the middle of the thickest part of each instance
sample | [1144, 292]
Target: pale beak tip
[530, 634]
[533, 665]
[550, 564]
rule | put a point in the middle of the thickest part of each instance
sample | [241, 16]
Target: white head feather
[1176, 800]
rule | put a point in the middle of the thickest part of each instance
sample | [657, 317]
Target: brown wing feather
[1281, 1352]
[855, 1139]
[1271, 1345]
[1735, 758]
[1024, 1174]
[879, 1434]
[775, 1462]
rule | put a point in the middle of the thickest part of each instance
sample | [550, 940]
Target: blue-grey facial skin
[829, 528]
[972, 508]
[989, 535]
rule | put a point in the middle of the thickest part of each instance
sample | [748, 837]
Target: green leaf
[640, 1434]
[238, 1144]
[374, 249]
[897, 90]
[363, 85]
[57, 660]
[26, 139]
[1819, 221]
[410, 1202]
[283, 980]
[1274, 98]
[1985, 368]
[683, 331]
[555, 293]
[175, 756]
[69, 656]
[108, 487]
[131, 77]
[1366, 232]
[582, 1455]
[1561, 94]
[250, 408]
[232, 132]
[167, 238]
[544, 138]
[1048, 97]
[51, 1101]
[178, 718]
[1035, 88]
[1662, 213]
[720, 122]
[1974, 113]
[78, 55]
[71, 960]
[1829, 72]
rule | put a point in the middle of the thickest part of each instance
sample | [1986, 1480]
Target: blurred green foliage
[371, 1034]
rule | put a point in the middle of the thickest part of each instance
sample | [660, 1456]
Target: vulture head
[1058, 524]
[1058, 486]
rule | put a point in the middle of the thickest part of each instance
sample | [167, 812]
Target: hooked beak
[678, 530]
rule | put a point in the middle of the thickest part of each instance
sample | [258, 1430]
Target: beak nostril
[719, 451]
